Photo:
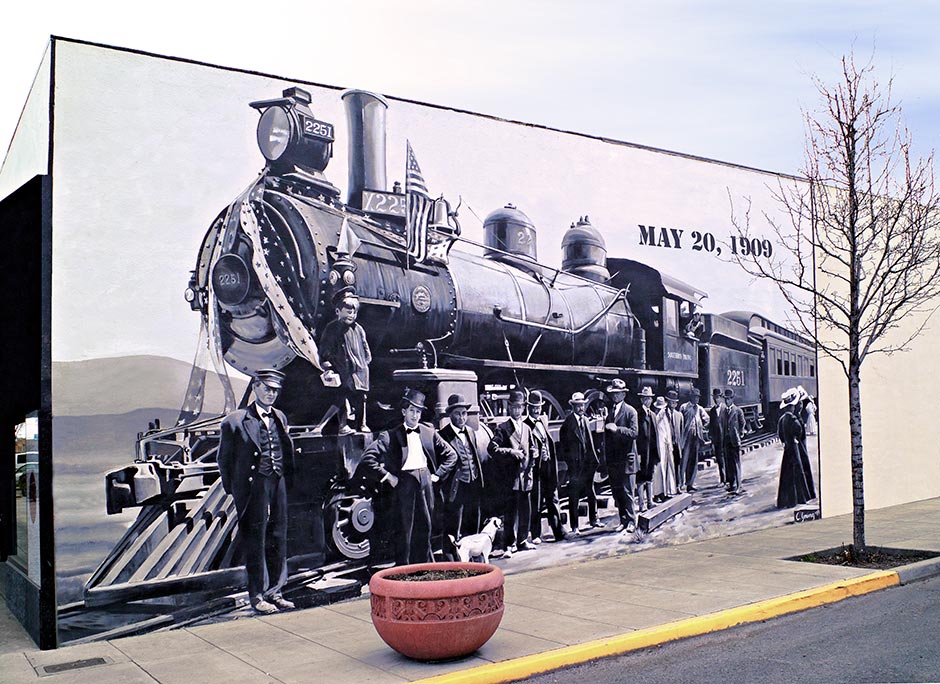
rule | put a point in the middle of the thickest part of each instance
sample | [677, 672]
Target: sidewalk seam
[520, 668]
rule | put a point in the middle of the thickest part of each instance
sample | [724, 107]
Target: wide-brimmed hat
[729, 394]
[517, 397]
[617, 385]
[790, 397]
[413, 397]
[645, 392]
[456, 401]
[270, 377]
[803, 393]
[672, 395]
[577, 398]
[659, 403]
[535, 398]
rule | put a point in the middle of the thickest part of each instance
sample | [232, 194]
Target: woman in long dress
[809, 410]
[796, 485]
[664, 476]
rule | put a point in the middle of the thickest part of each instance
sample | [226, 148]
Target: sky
[724, 80]
[721, 80]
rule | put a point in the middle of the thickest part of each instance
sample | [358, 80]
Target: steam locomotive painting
[442, 313]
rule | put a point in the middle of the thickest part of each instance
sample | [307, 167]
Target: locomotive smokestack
[365, 113]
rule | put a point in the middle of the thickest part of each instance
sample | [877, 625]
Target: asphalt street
[887, 636]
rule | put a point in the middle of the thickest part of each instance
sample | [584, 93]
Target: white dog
[478, 545]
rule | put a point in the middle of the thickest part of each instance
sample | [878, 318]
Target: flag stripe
[418, 207]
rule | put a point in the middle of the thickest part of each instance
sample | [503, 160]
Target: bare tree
[860, 253]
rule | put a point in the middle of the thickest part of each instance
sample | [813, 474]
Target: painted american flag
[418, 208]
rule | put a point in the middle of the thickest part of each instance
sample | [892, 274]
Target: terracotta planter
[437, 619]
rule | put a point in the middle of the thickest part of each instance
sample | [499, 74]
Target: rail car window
[671, 317]
[812, 370]
[779, 363]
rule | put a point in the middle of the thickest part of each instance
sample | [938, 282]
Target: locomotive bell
[509, 230]
[584, 252]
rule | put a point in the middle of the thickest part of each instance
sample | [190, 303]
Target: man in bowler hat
[732, 428]
[695, 423]
[647, 449]
[620, 433]
[256, 463]
[715, 434]
[513, 443]
[409, 459]
[463, 489]
[545, 481]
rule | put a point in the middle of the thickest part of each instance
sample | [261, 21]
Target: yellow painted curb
[520, 668]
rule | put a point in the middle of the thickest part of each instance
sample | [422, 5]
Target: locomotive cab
[666, 308]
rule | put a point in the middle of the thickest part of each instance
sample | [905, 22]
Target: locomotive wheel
[350, 518]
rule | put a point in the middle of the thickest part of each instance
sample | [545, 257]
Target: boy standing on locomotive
[345, 353]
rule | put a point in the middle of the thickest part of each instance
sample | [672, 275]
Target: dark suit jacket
[576, 447]
[714, 426]
[647, 445]
[480, 456]
[620, 444]
[547, 467]
[387, 453]
[505, 441]
[732, 425]
[240, 452]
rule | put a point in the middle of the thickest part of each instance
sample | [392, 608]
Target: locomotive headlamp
[289, 134]
[274, 133]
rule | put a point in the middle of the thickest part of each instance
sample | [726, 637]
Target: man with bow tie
[545, 480]
[620, 433]
[409, 459]
[463, 490]
[256, 463]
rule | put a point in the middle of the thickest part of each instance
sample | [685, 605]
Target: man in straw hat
[513, 444]
[620, 434]
[576, 447]
[409, 459]
[463, 490]
[545, 487]
[256, 462]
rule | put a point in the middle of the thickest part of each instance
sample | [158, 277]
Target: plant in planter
[436, 611]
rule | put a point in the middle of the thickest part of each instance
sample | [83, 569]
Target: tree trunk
[858, 484]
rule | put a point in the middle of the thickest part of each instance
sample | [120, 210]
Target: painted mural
[303, 332]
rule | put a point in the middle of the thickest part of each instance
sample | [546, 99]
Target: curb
[526, 666]
[919, 570]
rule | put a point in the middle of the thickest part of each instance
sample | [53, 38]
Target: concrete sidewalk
[546, 611]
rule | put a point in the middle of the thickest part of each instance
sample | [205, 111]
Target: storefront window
[27, 496]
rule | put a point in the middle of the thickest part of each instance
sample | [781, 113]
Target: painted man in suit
[545, 487]
[732, 429]
[715, 414]
[620, 433]
[256, 462]
[576, 447]
[513, 444]
[410, 458]
[463, 489]
[677, 426]
[647, 449]
[695, 422]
